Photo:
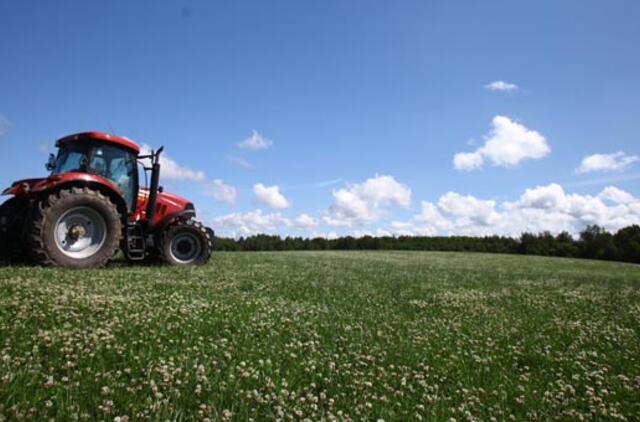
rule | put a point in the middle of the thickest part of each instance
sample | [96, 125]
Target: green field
[323, 336]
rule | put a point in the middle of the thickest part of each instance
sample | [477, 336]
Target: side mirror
[160, 189]
[51, 162]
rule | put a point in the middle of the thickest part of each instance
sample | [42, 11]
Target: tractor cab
[111, 161]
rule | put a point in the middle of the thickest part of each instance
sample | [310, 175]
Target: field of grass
[323, 336]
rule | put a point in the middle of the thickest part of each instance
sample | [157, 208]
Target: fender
[188, 212]
[20, 186]
[64, 180]
[60, 179]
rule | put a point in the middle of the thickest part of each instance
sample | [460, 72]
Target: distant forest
[594, 243]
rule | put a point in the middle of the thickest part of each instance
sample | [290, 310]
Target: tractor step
[136, 245]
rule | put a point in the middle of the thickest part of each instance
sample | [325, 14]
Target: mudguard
[29, 187]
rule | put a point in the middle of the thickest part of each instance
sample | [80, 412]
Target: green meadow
[323, 336]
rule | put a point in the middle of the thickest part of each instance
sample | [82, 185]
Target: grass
[323, 335]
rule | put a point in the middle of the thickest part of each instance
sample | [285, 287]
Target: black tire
[12, 213]
[43, 243]
[186, 242]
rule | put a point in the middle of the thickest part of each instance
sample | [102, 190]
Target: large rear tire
[186, 242]
[77, 227]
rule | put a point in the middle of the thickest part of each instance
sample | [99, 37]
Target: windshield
[115, 164]
[71, 158]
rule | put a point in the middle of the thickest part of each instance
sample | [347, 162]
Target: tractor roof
[103, 137]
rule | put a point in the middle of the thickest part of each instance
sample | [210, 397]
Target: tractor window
[71, 158]
[119, 166]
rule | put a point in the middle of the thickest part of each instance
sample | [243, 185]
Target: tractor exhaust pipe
[153, 187]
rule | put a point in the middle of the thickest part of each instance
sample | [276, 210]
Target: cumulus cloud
[270, 196]
[468, 161]
[249, 223]
[305, 222]
[255, 142]
[259, 222]
[616, 196]
[452, 214]
[508, 144]
[222, 192]
[327, 235]
[502, 86]
[606, 162]
[171, 170]
[467, 209]
[543, 208]
[5, 124]
[367, 202]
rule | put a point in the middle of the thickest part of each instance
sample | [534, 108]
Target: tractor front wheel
[186, 242]
[77, 227]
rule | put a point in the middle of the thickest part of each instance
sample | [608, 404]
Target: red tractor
[91, 206]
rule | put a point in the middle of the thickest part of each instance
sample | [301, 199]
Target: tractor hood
[168, 206]
[166, 198]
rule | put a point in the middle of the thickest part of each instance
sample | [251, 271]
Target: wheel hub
[80, 232]
[77, 231]
[185, 248]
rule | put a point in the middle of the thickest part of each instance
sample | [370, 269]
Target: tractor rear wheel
[186, 242]
[77, 227]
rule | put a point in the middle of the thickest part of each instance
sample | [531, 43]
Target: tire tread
[40, 215]
[168, 233]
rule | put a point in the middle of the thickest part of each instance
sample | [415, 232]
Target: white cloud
[543, 197]
[502, 86]
[508, 144]
[373, 233]
[367, 202]
[222, 192]
[543, 208]
[606, 162]
[305, 222]
[255, 142]
[5, 124]
[615, 195]
[409, 228]
[270, 196]
[240, 162]
[259, 222]
[250, 223]
[467, 209]
[171, 170]
[468, 161]
[452, 214]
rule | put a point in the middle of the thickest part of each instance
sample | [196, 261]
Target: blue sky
[361, 108]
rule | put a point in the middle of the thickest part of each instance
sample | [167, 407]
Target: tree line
[594, 242]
